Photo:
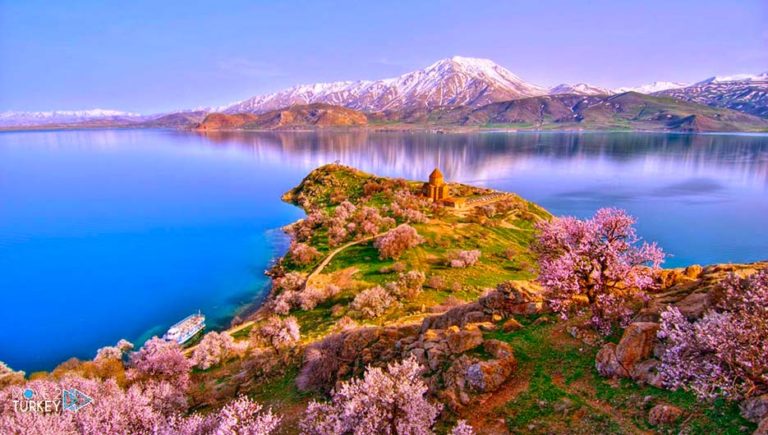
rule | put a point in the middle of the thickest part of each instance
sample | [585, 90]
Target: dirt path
[317, 271]
[485, 417]
[330, 256]
[625, 423]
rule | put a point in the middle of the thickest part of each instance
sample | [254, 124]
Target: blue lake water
[112, 234]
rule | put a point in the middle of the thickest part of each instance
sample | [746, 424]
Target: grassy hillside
[555, 388]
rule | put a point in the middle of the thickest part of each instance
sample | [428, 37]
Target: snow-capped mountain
[743, 92]
[579, 89]
[457, 81]
[650, 88]
[64, 117]
[736, 78]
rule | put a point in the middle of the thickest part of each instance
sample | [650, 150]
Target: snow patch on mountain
[454, 81]
[651, 87]
[579, 89]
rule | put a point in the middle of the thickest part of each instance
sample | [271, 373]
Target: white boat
[182, 331]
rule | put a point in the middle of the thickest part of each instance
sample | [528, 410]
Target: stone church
[435, 189]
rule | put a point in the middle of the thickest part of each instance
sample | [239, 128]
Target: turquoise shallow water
[119, 233]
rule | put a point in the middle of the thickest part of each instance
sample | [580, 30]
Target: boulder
[511, 325]
[607, 364]
[457, 316]
[693, 271]
[664, 414]
[499, 349]
[460, 341]
[647, 372]
[694, 305]
[636, 344]
[488, 376]
[515, 297]
[619, 360]
[755, 408]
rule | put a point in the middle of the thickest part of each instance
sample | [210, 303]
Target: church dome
[436, 177]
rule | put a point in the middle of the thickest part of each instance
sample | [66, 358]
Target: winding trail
[319, 269]
[330, 256]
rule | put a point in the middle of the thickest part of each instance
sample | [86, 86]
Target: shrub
[302, 254]
[408, 207]
[436, 282]
[462, 428]
[114, 352]
[372, 302]
[408, 285]
[277, 332]
[240, 416]
[463, 259]
[311, 296]
[321, 364]
[368, 222]
[396, 241]
[292, 281]
[284, 302]
[598, 261]
[344, 324]
[214, 348]
[151, 407]
[337, 232]
[391, 401]
[725, 353]
[161, 360]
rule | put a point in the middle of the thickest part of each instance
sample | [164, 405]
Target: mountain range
[457, 85]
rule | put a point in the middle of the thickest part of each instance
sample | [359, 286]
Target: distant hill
[745, 93]
[295, 117]
[176, 120]
[458, 91]
[630, 110]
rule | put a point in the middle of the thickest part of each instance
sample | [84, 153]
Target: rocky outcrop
[435, 346]
[221, 121]
[300, 116]
[445, 345]
[508, 299]
[621, 360]
[664, 414]
[469, 375]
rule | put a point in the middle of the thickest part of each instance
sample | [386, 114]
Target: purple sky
[151, 56]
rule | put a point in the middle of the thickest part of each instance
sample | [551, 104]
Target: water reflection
[487, 157]
[703, 197]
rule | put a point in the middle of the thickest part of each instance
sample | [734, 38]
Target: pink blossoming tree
[396, 241]
[725, 353]
[161, 360]
[462, 259]
[144, 407]
[302, 254]
[598, 262]
[277, 332]
[214, 348]
[372, 302]
[390, 401]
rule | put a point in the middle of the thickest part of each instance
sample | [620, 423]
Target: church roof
[435, 174]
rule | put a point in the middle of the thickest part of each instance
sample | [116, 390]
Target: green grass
[545, 353]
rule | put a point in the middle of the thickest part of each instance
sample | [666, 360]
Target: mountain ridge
[451, 83]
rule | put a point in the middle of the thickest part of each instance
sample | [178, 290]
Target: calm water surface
[110, 234]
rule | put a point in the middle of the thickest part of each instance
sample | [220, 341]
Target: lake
[110, 234]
